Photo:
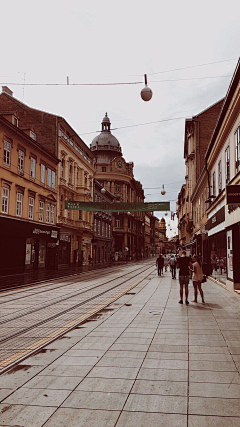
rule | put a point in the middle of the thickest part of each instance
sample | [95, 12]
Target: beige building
[223, 168]
[117, 177]
[29, 237]
[74, 180]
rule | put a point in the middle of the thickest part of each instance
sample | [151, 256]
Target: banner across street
[118, 206]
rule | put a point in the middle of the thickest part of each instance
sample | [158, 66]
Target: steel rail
[57, 300]
[44, 321]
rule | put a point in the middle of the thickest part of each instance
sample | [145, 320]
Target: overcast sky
[118, 42]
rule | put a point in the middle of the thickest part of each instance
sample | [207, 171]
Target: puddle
[130, 293]
[128, 305]
[98, 315]
[155, 313]
[18, 368]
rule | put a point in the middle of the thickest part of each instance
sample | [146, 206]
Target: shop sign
[118, 206]
[233, 194]
[54, 234]
[216, 219]
[65, 237]
[39, 231]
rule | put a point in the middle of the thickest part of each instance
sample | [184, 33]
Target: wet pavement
[145, 360]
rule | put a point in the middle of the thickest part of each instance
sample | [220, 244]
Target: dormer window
[33, 135]
[15, 121]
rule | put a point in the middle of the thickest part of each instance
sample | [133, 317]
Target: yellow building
[28, 176]
[74, 180]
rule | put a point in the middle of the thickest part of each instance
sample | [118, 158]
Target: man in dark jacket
[183, 263]
[160, 264]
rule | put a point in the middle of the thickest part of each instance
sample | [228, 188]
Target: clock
[119, 163]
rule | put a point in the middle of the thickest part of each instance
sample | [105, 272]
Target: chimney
[5, 89]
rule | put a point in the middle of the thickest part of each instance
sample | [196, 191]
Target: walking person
[197, 277]
[184, 264]
[173, 263]
[160, 263]
[165, 262]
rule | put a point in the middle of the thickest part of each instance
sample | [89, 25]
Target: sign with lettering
[233, 194]
[118, 206]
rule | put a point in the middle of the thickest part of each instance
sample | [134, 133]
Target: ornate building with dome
[116, 175]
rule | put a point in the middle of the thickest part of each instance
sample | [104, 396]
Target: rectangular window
[104, 169]
[227, 164]
[80, 215]
[19, 204]
[52, 214]
[118, 188]
[98, 227]
[43, 169]
[214, 184]
[33, 168]
[41, 210]
[53, 179]
[20, 161]
[48, 213]
[32, 135]
[7, 153]
[31, 208]
[14, 121]
[5, 200]
[118, 223]
[219, 176]
[95, 226]
[237, 148]
[49, 177]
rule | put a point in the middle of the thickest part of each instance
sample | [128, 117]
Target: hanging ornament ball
[163, 192]
[166, 214]
[146, 93]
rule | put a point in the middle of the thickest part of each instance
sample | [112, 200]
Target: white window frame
[214, 184]
[118, 223]
[15, 120]
[49, 177]
[237, 149]
[33, 135]
[20, 161]
[227, 164]
[48, 213]
[31, 207]
[7, 153]
[32, 167]
[52, 214]
[5, 200]
[41, 211]
[19, 205]
[219, 176]
[43, 173]
[53, 179]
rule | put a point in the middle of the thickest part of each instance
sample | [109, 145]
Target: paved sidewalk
[144, 361]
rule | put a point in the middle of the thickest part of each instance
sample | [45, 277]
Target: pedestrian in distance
[197, 277]
[184, 264]
[165, 262]
[160, 263]
[173, 263]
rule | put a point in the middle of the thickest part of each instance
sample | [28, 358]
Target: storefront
[27, 246]
[217, 246]
[233, 245]
[64, 249]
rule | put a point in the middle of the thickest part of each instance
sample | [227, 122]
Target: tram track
[74, 295]
[36, 327]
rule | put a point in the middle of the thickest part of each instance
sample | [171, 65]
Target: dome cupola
[105, 141]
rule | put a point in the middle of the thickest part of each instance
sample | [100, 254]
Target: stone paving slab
[148, 362]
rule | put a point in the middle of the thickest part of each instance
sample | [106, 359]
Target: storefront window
[218, 256]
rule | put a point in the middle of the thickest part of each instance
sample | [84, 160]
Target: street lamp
[146, 92]
[103, 190]
[163, 191]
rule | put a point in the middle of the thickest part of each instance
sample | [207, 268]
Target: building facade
[102, 244]
[29, 237]
[74, 176]
[116, 176]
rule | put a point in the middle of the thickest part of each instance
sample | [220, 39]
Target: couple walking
[185, 266]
